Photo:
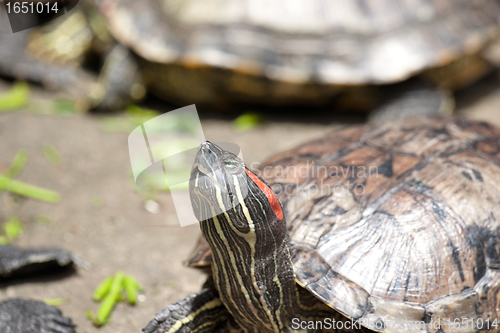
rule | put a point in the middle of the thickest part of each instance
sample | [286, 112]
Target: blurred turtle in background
[288, 53]
[305, 52]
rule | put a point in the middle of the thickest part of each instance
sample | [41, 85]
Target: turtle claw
[29, 316]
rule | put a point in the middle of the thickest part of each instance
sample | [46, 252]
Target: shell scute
[337, 291]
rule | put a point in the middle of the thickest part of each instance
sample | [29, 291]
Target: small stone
[152, 206]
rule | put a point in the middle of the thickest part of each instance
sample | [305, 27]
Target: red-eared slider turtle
[202, 51]
[395, 226]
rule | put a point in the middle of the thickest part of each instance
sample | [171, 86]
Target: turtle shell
[396, 223]
[301, 50]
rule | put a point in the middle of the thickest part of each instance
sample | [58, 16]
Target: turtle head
[244, 225]
[221, 184]
[218, 181]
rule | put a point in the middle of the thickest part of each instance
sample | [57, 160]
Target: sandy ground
[121, 234]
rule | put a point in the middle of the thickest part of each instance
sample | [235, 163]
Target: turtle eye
[230, 163]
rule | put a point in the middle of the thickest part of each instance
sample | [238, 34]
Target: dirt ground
[116, 232]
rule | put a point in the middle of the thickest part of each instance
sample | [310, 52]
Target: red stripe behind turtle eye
[271, 197]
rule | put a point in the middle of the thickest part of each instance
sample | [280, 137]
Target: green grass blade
[248, 121]
[55, 301]
[111, 298]
[51, 154]
[44, 220]
[13, 228]
[17, 164]
[28, 190]
[16, 97]
[134, 282]
[131, 287]
[102, 289]
[96, 201]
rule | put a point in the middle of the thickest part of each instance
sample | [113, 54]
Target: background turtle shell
[294, 49]
[396, 222]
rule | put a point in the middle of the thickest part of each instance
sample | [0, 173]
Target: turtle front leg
[200, 312]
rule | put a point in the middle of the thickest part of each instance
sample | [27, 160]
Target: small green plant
[96, 201]
[109, 292]
[15, 98]
[21, 188]
[17, 164]
[64, 107]
[44, 220]
[13, 229]
[248, 121]
[134, 116]
[28, 190]
[51, 154]
[55, 301]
